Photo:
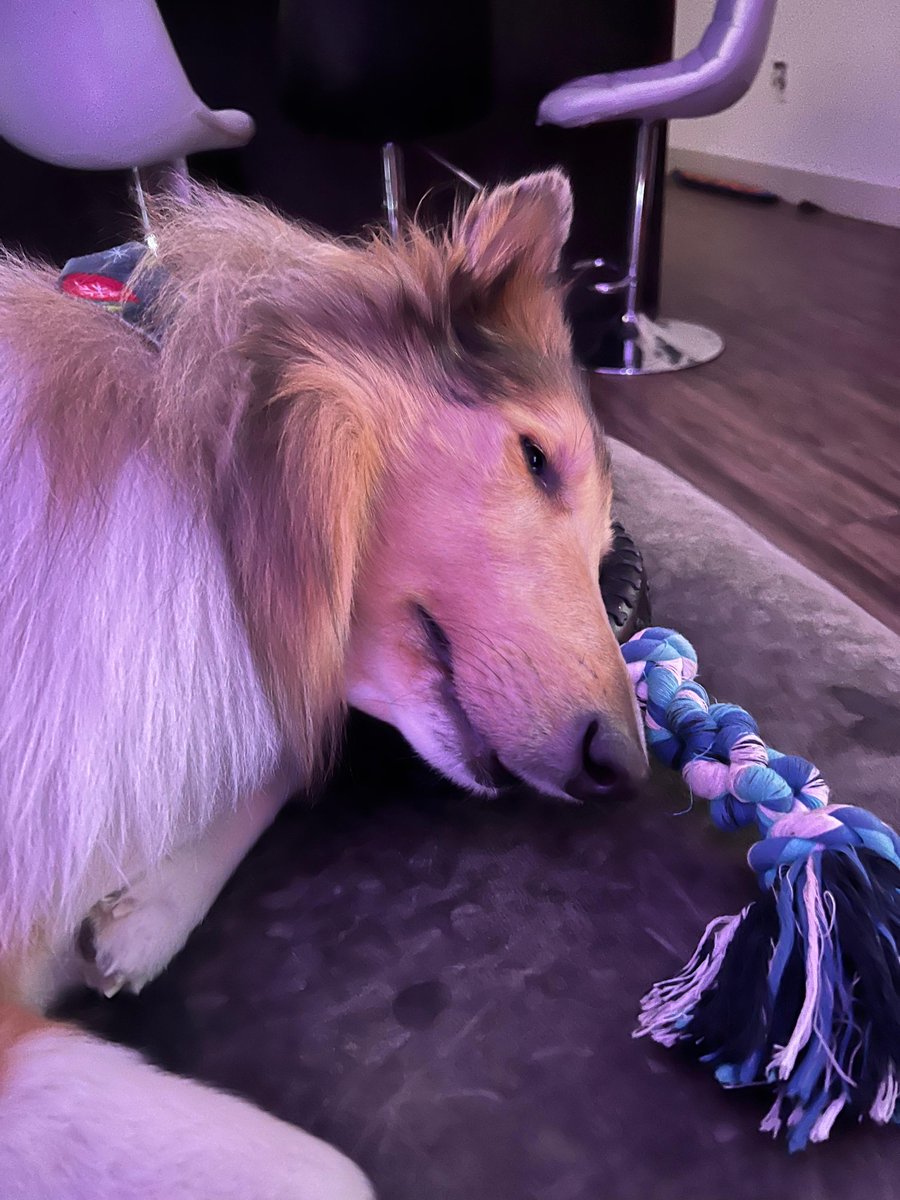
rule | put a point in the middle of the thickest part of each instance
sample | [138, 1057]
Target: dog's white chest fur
[131, 710]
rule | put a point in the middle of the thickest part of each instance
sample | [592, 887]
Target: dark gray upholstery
[446, 988]
[710, 78]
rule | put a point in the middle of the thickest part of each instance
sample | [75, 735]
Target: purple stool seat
[710, 78]
[98, 86]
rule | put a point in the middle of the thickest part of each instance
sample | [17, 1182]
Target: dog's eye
[535, 459]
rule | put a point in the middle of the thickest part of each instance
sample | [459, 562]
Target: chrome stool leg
[469, 180]
[163, 178]
[393, 186]
[638, 344]
[393, 178]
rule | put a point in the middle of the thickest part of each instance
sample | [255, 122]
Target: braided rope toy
[801, 989]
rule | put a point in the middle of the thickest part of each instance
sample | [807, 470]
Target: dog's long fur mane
[184, 525]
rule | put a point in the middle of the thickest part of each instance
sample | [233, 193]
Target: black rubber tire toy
[624, 586]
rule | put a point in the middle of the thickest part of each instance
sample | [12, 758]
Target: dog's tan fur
[342, 426]
[16, 1025]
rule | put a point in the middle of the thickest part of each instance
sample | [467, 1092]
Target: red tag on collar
[97, 287]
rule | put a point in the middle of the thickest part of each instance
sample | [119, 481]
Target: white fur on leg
[135, 933]
[84, 1120]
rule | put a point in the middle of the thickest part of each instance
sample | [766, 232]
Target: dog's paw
[128, 938]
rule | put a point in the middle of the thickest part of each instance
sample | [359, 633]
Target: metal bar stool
[62, 100]
[385, 72]
[708, 79]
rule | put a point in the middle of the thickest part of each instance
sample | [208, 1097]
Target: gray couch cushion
[446, 988]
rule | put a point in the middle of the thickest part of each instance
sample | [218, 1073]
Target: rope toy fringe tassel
[800, 990]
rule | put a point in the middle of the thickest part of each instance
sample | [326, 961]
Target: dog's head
[478, 628]
[413, 490]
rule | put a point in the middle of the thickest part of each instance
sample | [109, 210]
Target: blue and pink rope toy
[801, 989]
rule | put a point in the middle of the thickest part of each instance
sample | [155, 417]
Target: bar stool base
[644, 346]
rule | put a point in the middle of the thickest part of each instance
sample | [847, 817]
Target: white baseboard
[850, 197]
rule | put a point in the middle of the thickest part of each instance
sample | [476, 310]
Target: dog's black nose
[612, 764]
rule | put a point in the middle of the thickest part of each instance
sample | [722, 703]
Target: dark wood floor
[797, 426]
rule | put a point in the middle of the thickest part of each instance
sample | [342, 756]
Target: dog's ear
[294, 517]
[520, 226]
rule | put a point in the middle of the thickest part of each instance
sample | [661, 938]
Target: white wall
[841, 111]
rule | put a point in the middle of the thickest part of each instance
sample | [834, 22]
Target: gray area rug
[446, 988]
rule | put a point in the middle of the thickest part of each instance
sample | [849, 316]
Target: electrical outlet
[778, 79]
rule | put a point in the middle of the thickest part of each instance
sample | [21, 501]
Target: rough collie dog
[352, 474]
